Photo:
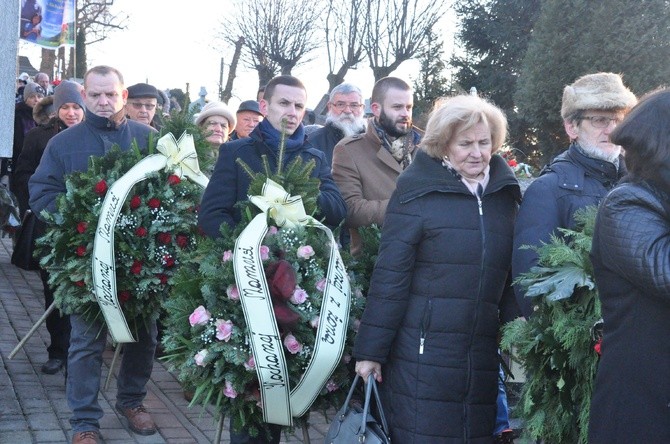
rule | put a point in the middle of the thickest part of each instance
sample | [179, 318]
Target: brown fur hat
[44, 110]
[602, 90]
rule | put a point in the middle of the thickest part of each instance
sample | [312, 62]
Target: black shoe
[52, 366]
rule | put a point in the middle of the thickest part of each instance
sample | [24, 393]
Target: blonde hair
[459, 113]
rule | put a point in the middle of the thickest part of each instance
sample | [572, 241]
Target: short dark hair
[645, 135]
[103, 70]
[281, 80]
[383, 85]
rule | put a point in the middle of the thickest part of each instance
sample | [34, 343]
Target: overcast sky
[170, 44]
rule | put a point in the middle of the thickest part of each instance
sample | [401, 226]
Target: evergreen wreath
[559, 345]
[206, 339]
[156, 226]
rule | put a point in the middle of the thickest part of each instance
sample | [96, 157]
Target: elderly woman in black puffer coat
[441, 286]
[631, 265]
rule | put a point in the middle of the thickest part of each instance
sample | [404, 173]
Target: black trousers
[58, 325]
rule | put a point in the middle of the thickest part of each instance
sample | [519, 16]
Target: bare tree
[227, 92]
[397, 30]
[345, 28]
[278, 34]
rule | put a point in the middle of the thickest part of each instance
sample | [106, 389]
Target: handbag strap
[372, 387]
[349, 395]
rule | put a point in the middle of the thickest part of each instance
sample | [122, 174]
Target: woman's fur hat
[603, 90]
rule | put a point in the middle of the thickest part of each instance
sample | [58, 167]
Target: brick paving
[33, 406]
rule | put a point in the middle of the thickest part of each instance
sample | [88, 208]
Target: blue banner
[48, 23]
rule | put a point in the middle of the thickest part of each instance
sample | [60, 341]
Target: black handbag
[24, 246]
[355, 425]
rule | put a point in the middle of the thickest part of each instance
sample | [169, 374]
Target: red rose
[141, 231]
[163, 238]
[101, 188]
[81, 250]
[163, 278]
[154, 203]
[182, 240]
[80, 283]
[168, 261]
[282, 279]
[512, 163]
[173, 179]
[81, 227]
[136, 268]
[124, 296]
[135, 202]
[597, 347]
[287, 319]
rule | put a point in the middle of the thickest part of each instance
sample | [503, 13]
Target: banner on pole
[48, 23]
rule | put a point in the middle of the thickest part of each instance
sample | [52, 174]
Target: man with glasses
[142, 102]
[581, 176]
[344, 119]
[366, 166]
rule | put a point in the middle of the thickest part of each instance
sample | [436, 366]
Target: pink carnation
[229, 391]
[315, 322]
[357, 325]
[227, 255]
[233, 293]
[251, 363]
[358, 293]
[305, 252]
[200, 357]
[265, 252]
[331, 386]
[224, 329]
[299, 296]
[200, 316]
[272, 230]
[321, 285]
[292, 344]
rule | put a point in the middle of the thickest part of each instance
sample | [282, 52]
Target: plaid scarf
[401, 149]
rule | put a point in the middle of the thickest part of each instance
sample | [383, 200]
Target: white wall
[9, 20]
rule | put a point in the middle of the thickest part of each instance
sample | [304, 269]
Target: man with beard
[581, 176]
[366, 166]
[344, 119]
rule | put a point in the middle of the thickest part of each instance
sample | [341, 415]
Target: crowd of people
[453, 222]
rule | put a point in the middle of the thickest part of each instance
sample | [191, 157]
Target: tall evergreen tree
[430, 84]
[495, 36]
[576, 37]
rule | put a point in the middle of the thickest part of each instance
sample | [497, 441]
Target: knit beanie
[217, 109]
[68, 92]
[602, 91]
[31, 89]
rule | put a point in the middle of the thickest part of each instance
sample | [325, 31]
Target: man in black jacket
[344, 119]
[581, 176]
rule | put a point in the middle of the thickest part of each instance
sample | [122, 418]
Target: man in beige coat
[366, 166]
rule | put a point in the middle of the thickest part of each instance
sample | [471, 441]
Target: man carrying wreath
[67, 152]
[283, 105]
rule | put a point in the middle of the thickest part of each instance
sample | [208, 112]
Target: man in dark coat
[581, 176]
[67, 152]
[248, 117]
[23, 119]
[283, 105]
[344, 119]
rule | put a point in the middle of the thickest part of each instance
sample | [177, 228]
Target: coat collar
[427, 174]
[105, 123]
[573, 178]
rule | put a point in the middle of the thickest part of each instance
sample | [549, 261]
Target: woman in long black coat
[631, 264]
[441, 283]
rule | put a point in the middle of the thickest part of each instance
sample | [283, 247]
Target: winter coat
[23, 122]
[571, 182]
[325, 139]
[229, 182]
[432, 313]
[631, 264]
[366, 174]
[33, 147]
[70, 150]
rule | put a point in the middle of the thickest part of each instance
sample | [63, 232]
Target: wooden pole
[32, 330]
[219, 429]
[117, 352]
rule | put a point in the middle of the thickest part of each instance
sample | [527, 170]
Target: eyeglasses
[138, 105]
[602, 121]
[340, 106]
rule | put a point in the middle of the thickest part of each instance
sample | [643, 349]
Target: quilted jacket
[631, 261]
[432, 313]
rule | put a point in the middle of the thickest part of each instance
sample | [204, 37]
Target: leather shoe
[88, 437]
[139, 420]
[52, 366]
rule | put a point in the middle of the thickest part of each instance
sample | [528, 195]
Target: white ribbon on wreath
[281, 402]
[179, 156]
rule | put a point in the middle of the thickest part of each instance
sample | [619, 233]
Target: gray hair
[345, 88]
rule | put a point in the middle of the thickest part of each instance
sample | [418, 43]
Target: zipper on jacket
[425, 323]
